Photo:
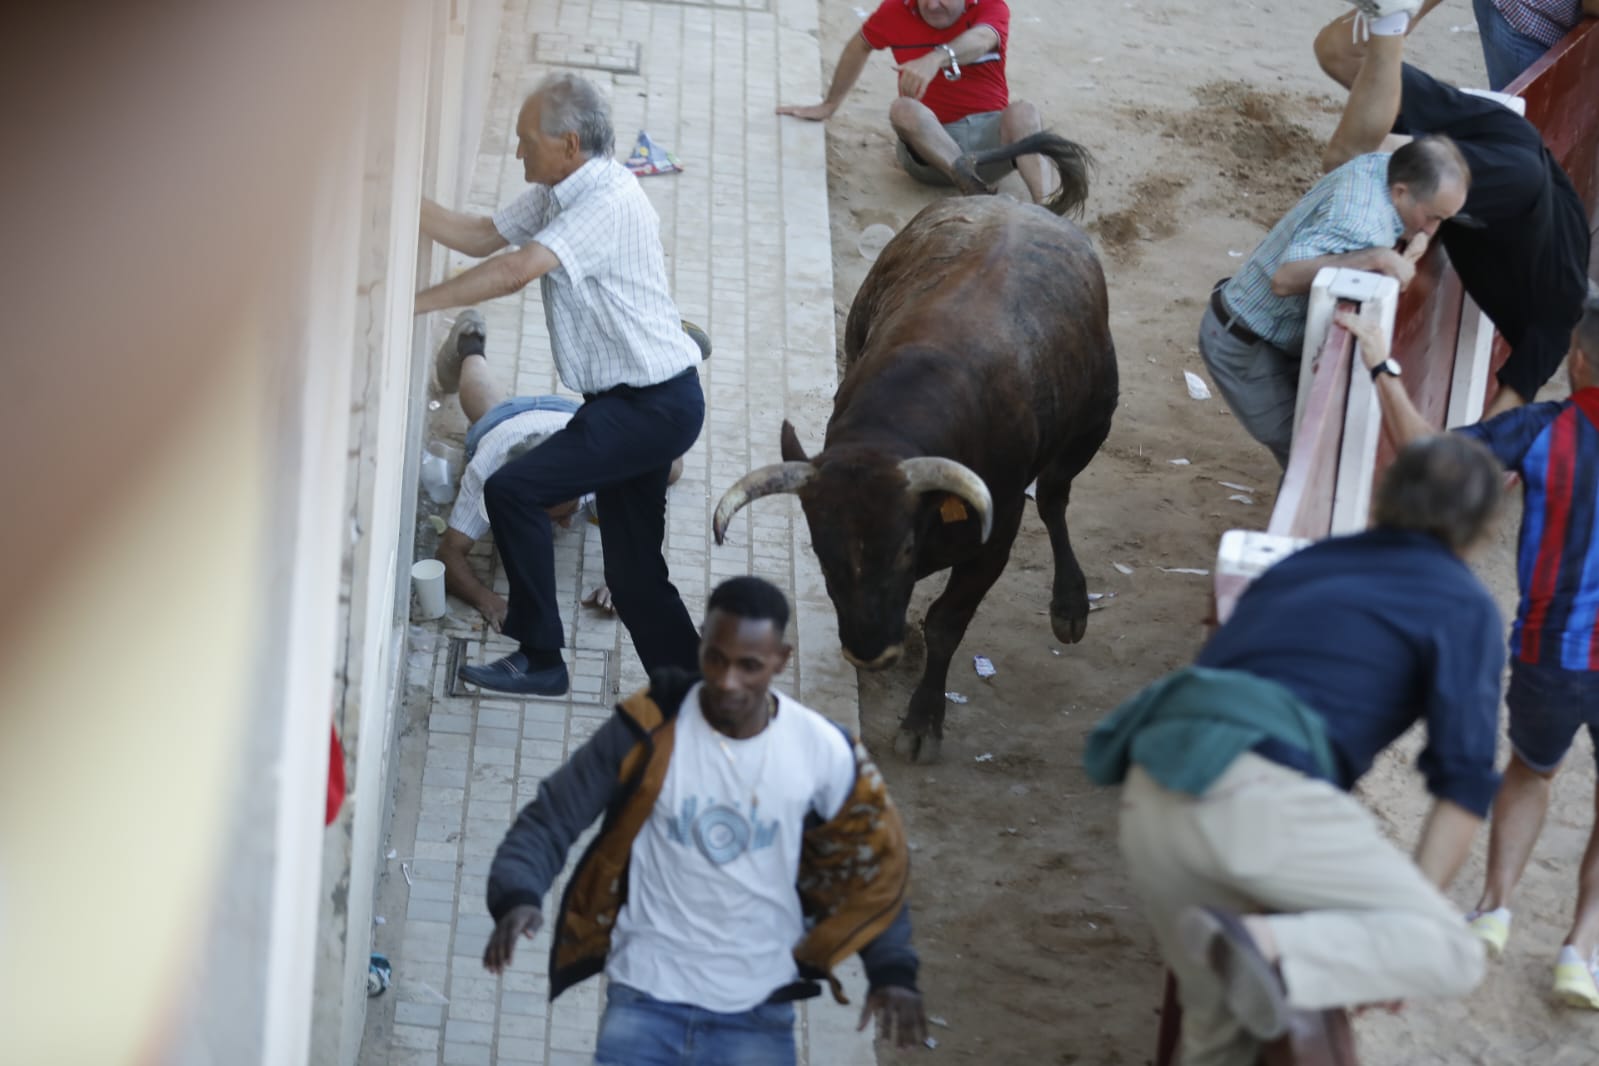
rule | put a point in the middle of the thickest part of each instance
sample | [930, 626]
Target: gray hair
[1447, 485]
[570, 103]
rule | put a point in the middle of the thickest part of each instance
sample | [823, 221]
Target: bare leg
[1584, 934]
[918, 127]
[1339, 48]
[1373, 105]
[1518, 816]
[1021, 119]
[478, 390]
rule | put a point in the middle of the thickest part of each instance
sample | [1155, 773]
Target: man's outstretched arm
[850, 64]
[473, 235]
[499, 276]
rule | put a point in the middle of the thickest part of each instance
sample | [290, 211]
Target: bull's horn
[934, 474]
[779, 477]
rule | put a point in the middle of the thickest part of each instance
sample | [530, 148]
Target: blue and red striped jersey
[1555, 449]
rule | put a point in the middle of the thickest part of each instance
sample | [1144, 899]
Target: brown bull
[979, 358]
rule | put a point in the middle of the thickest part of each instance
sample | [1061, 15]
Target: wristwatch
[953, 71]
[1387, 366]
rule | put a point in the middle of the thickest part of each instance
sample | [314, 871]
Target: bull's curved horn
[936, 474]
[779, 477]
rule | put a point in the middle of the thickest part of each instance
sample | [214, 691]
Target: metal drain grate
[594, 680]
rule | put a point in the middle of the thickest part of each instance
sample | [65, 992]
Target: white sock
[1393, 25]
[1571, 956]
[1502, 913]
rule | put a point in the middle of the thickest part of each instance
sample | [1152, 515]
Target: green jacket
[1188, 727]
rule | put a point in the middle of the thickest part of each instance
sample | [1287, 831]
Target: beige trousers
[1355, 920]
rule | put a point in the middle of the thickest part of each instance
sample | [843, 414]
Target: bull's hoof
[1069, 626]
[915, 748]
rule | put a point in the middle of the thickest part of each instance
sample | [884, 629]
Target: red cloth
[335, 777]
[982, 86]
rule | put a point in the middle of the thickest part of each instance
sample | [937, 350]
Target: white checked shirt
[468, 515]
[611, 318]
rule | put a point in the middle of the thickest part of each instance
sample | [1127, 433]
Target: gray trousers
[1259, 381]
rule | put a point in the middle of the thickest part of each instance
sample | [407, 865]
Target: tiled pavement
[745, 228]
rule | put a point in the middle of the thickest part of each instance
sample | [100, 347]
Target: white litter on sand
[955, 697]
[1122, 568]
[983, 665]
[1241, 498]
[1183, 570]
[1178, 462]
[1196, 385]
[987, 756]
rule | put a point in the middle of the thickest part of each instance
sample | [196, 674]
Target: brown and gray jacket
[853, 877]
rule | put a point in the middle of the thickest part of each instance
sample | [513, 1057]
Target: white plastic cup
[427, 579]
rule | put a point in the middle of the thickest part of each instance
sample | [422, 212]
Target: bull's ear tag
[953, 509]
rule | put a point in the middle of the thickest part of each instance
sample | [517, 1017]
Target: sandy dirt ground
[1207, 122]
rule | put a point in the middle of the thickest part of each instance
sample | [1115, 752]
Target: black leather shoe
[511, 674]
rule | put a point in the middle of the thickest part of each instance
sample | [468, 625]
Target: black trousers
[619, 446]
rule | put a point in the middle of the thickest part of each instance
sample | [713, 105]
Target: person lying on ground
[1253, 330]
[1520, 242]
[954, 100]
[1554, 673]
[1268, 887]
[500, 430]
[748, 847]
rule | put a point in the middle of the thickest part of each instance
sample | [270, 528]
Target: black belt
[617, 390]
[1228, 320]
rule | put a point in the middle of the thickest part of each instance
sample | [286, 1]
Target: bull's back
[1013, 292]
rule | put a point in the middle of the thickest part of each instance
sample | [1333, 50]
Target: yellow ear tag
[953, 509]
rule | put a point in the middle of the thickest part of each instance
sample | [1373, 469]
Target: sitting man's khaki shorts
[974, 133]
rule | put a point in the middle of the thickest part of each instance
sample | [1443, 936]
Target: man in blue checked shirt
[1254, 326]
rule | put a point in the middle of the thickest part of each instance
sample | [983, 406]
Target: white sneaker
[1376, 9]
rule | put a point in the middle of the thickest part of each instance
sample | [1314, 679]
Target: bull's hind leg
[1068, 602]
[921, 732]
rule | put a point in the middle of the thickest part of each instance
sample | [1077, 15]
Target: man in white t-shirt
[500, 430]
[748, 847]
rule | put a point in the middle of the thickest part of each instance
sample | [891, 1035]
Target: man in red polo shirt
[953, 98]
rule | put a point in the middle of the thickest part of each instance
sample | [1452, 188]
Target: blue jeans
[1548, 704]
[1505, 50]
[505, 409]
[639, 1030]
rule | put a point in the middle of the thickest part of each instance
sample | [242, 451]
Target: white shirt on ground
[468, 515]
[610, 314]
[712, 914]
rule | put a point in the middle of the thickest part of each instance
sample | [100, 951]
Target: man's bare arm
[1295, 278]
[1445, 841]
[499, 276]
[850, 64]
[473, 235]
[1399, 415]
[461, 581]
[916, 75]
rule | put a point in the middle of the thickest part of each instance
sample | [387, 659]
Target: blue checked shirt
[1345, 211]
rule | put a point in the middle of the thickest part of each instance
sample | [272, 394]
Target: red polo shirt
[898, 25]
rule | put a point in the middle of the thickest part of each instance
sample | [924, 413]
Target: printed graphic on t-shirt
[720, 832]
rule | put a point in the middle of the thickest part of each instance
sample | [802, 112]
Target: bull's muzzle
[888, 658]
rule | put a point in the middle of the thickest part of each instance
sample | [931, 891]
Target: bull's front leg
[921, 732]
[1068, 601]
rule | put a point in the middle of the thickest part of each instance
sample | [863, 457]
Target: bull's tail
[1071, 160]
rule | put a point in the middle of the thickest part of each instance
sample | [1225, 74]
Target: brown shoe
[1253, 988]
[967, 180]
